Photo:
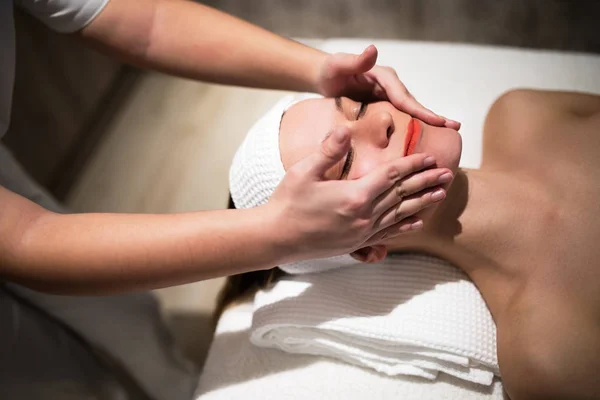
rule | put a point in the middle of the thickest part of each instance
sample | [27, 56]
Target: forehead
[304, 126]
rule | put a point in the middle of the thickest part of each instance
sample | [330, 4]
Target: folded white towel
[410, 315]
[237, 369]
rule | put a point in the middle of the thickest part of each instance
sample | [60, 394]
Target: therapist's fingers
[387, 175]
[403, 100]
[452, 124]
[410, 185]
[410, 206]
[410, 224]
[343, 64]
[335, 146]
[413, 107]
[397, 93]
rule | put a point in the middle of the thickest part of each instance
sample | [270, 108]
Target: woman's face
[379, 134]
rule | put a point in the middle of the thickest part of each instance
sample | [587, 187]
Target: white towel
[237, 369]
[410, 315]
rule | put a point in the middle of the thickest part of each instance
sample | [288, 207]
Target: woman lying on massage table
[523, 227]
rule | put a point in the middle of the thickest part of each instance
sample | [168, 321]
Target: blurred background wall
[548, 24]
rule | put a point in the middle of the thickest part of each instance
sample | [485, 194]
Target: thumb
[333, 148]
[351, 64]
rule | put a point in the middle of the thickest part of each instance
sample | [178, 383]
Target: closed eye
[347, 164]
[362, 110]
[350, 156]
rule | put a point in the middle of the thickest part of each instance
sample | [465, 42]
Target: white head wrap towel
[257, 169]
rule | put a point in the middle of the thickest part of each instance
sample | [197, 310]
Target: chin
[444, 144]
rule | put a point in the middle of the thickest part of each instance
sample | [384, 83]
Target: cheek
[365, 162]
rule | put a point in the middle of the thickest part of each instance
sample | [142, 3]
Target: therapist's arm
[192, 40]
[305, 218]
[110, 253]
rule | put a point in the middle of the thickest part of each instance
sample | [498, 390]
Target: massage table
[460, 82]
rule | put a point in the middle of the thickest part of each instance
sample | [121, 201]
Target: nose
[374, 129]
[382, 128]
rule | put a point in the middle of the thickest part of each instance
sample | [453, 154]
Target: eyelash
[350, 155]
[361, 110]
[347, 164]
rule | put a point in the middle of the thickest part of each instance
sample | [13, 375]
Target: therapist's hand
[357, 77]
[317, 218]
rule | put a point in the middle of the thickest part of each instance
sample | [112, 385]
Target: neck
[448, 227]
[446, 220]
[474, 229]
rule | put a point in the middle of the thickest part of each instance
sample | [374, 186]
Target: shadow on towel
[352, 288]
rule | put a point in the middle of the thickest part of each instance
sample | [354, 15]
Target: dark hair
[243, 286]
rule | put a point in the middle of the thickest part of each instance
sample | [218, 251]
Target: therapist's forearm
[195, 41]
[108, 253]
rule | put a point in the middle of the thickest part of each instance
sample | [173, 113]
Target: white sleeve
[64, 16]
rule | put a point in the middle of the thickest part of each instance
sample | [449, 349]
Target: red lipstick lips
[413, 134]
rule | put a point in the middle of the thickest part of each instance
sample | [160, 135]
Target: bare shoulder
[516, 101]
[524, 120]
[547, 350]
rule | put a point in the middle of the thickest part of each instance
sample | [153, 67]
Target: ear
[370, 254]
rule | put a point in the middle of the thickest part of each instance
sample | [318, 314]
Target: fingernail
[416, 226]
[429, 161]
[448, 121]
[405, 228]
[438, 195]
[445, 178]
